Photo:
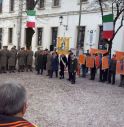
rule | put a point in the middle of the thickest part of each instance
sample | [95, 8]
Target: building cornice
[71, 13]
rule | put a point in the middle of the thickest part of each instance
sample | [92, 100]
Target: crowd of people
[49, 61]
[22, 60]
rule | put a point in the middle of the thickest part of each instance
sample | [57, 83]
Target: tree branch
[121, 25]
[100, 3]
[117, 6]
[36, 3]
[116, 18]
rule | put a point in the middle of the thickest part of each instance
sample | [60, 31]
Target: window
[81, 37]
[41, 3]
[56, 3]
[30, 4]
[39, 36]
[11, 6]
[84, 0]
[10, 35]
[1, 3]
[54, 35]
[1, 32]
[101, 43]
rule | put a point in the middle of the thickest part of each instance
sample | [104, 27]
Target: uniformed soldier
[4, 57]
[11, 60]
[21, 60]
[29, 55]
[16, 51]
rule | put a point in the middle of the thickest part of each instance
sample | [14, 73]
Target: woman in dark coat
[54, 65]
[40, 62]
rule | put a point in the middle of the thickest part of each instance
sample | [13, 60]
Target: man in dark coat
[48, 64]
[73, 68]
[101, 74]
[112, 70]
[54, 65]
[121, 81]
[40, 62]
[45, 58]
[93, 71]
[63, 65]
[36, 55]
[69, 61]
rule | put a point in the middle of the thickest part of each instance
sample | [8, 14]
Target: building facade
[56, 18]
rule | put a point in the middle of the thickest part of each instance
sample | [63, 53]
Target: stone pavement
[57, 103]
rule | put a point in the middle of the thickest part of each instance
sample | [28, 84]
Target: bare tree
[117, 9]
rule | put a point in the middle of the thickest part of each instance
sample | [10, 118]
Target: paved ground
[57, 103]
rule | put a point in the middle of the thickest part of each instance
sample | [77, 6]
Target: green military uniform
[11, 60]
[21, 60]
[29, 55]
[4, 58]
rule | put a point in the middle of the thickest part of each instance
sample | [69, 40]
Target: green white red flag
[31, 18]
[108, 26]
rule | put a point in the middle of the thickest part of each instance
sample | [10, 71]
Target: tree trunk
[110, 47]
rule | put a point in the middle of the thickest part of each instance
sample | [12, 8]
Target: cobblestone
[57, 103]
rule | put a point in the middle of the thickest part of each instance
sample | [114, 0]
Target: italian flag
[31, 18]
[108, 26]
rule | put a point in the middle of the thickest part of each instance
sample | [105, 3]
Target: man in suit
[73, 68]
[69, 61]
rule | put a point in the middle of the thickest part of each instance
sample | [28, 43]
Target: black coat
[40, 61]
[73, 65]
[64, 59]
[69, 60]
[112, 66]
